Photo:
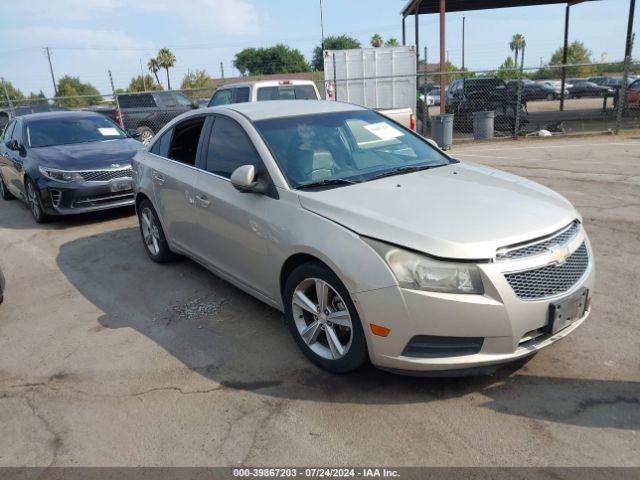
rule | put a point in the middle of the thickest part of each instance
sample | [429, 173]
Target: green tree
[270, 60]
[577, 53]
[376, 41]
[85, 94]
[166, 59]
[516, 45]
[153, 67]
[508, 70]
[197, 79]
[141, 83]
[11, 91]
[37, 98]
[341, 42]
[392, 42]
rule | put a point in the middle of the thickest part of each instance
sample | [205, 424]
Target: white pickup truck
[265, 90]
[383, 79]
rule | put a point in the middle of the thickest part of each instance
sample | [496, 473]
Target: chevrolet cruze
[376, 245]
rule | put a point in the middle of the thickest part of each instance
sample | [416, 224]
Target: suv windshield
[63, 131]
[326, 149]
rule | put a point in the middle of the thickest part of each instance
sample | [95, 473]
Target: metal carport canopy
[433, 6]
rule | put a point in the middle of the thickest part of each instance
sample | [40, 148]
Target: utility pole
[53, 78]
[144, 82]
[222, 70]
[321, 28]
[425, 59]
[119, 116]
[463, 20]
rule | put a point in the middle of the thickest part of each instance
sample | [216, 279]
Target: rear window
[287, 92]
[136, 101]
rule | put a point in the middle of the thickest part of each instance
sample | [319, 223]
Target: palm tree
[153, 67]
[392, 42]
[516, 45]
[376, 41]
[166, 59]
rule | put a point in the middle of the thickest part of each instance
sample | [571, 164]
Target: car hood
[88, 156]
[463, 211]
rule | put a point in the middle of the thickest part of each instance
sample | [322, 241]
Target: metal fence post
[516, 124]
[6, 94]
[335, 85]
[622, 94]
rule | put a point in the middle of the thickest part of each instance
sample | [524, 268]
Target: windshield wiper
[405, 169]
[329, 182]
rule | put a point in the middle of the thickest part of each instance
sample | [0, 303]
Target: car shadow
[226, 335]
[15, 215]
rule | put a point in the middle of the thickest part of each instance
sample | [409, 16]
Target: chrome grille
[551, 279]
[105, 175]
[540, 247]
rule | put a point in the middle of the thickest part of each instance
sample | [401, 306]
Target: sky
[89, 37]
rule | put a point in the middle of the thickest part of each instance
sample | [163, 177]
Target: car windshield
[47, 132]
[345, 147]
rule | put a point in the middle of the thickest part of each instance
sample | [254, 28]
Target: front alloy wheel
[155, 243]
[323, 319]
[35, 205]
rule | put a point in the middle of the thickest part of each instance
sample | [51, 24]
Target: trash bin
[483, 124]
[442, 130]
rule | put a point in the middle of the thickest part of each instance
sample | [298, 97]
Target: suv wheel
[34, 202]
[146, 134]
[155, 243]
[323, 319]
[4, 191]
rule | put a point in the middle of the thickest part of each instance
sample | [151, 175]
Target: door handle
[159, 179]
[203, 201]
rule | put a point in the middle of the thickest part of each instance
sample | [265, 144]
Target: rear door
[233, 226]
[5, 159]
[14, 173]
[173, 175]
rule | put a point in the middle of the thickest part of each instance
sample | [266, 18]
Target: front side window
[348, 147]
[184, 141]
[221, 97]
[241, 95]
[8, 131]
[229, 148]
[73, 129]
[182, 100]
[166, 99]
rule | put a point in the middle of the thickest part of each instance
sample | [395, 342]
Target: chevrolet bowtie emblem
[559, 254]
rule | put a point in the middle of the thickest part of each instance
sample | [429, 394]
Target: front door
[233, 231]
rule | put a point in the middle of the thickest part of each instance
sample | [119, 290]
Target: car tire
[35, 202]
[153, 238]
[4, 191]
[551, 97]
[146, 134]
[332, 339]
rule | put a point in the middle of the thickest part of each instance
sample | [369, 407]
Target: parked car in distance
[533, 91]
[585, 88]
[633, 94]
[432, 97]
[148, 112]
[468, 95]
[311, 207]
[7, 114]
[63, 163]
[265, 90]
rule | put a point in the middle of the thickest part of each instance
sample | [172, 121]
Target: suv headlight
[419, 272]
[60, 175]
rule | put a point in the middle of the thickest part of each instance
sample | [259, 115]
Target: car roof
[59, 115]
[284, 108]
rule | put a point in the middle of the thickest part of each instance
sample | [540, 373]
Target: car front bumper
[82, 197]
[508, 327]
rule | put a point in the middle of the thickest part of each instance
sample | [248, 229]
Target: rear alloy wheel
[146, 134]
[4, 191]
[323, 319]
[153, 237]
[34, 202]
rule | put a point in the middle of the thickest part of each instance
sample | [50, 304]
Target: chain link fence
[524, 101]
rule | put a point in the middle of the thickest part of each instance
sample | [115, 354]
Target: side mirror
[133, 133]
[14, 145]
[245, 180]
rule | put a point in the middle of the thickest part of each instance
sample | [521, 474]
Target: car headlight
[420, 272]
[60, 175]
